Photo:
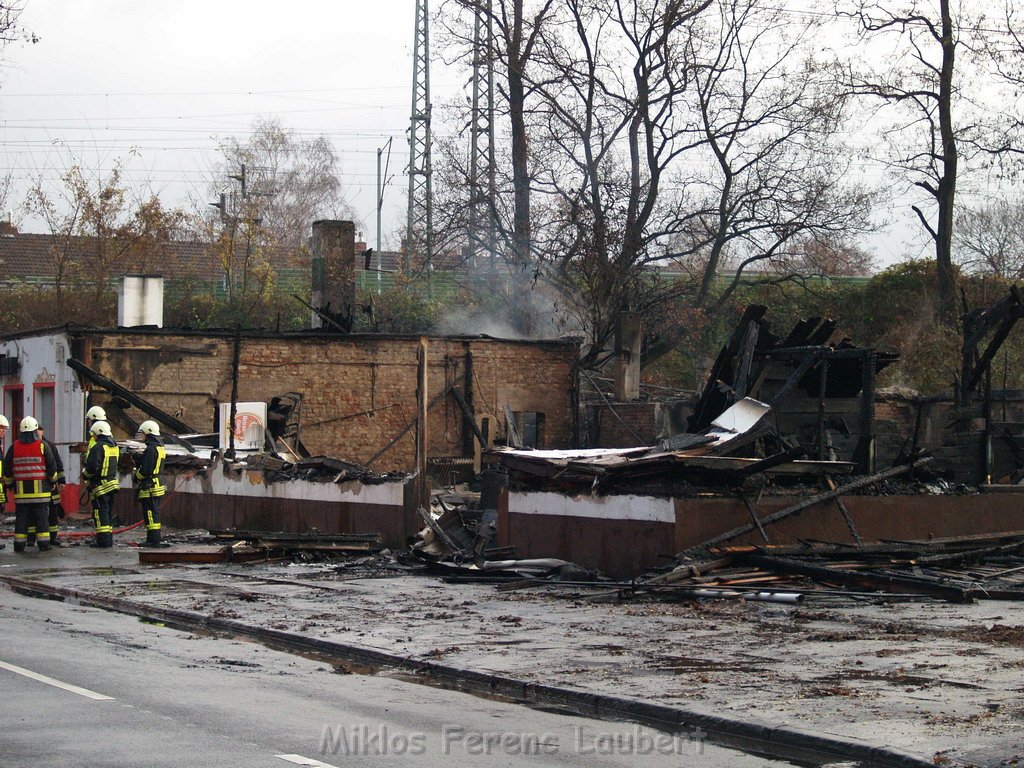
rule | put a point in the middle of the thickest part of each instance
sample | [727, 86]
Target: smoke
[531, 312]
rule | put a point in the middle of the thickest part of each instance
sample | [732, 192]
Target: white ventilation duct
[140, 301]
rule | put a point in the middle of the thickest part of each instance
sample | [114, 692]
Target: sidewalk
[939, 680]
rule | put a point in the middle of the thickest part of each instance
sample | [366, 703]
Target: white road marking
[55, 683]
[308, 761]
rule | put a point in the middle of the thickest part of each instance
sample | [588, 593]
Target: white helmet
[28, 424]
[149, 427]
[96, 414]
[101, 428]
[3, 421]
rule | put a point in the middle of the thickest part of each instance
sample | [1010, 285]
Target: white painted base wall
[642, 508]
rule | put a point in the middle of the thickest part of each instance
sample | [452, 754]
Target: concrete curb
[744, 734]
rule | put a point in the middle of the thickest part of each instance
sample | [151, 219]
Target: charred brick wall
[360, 391]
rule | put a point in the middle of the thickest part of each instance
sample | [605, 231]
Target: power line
[240, 132]
[108, 118]
[144, 172]
[213, 93]
[162, 148]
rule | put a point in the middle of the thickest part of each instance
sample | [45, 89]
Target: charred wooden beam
[126, 394]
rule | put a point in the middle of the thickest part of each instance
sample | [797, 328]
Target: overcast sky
[156, 85]
[167, 80]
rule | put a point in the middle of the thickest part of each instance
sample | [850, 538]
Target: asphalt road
[83, 687]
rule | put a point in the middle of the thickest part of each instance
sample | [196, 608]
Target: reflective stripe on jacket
[101, 469]
[147, 476]
[31, 471]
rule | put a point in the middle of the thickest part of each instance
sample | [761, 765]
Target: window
[530, 425]
[44, 409]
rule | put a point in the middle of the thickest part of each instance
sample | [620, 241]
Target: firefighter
[101, 476]
[56, 508]
[4, 426]
[30, 471]
[147, 481]
[94, 414]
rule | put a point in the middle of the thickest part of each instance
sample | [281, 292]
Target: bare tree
[1004, 46]
[516, 27]
[290, 181]
[609, 127]
[685, 135]
[11, 30]
[274, 184]
[99, 229]
[936, 125]
[990, 239]
[672, 136]
[768, 111]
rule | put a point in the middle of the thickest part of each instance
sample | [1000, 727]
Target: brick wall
[344, 377]
[637, 424]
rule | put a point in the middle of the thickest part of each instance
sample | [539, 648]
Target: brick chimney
[334, 283]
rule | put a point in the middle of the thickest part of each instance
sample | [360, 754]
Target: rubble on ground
[187, 458]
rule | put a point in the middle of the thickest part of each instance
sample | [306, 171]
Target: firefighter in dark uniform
[4, 426]
[101, 476]
[30, 471]
[148, 483]
[94, 414]
[56, 508]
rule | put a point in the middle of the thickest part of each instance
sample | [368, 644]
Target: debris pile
[227, 546]
[681, 462]
[185, 457]
[459, 544]
[959, 570]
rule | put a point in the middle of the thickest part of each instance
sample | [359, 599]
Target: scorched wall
[360, 391]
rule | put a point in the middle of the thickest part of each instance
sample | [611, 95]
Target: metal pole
[380, 201]
[492, 184]
[420, 169]
[236, 356]
[422, 407]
